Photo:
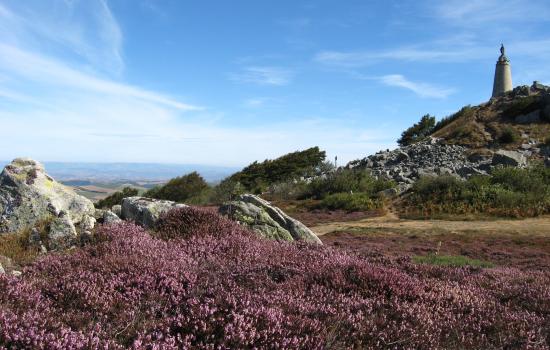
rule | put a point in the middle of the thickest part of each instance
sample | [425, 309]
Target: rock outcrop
[117, 210]
[146, 211]
[509, 158]
[28, 195]
[430, 157]
[110, 217]
[62, 234]
[433, 157]
[267, 220]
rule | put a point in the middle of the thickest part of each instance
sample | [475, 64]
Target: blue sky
[229, 82]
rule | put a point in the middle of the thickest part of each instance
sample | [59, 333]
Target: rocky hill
[511, 130]
[518, 120]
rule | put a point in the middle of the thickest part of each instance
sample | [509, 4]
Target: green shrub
[116, 198]
[418, 131]
[225, 191]
[180, 189]
[509, 135]
[257, 177]
[349, 202]
[506, 192]
[345, 180]
[523, 105]
[288, 190]
[535, 179]
[450, 260]
[438, 187]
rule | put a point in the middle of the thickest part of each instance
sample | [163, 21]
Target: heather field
[204, 282]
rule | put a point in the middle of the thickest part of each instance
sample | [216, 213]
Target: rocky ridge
[432, 157]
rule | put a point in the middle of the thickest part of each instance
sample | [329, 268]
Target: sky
[229, 82]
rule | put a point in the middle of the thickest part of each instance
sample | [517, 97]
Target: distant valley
[97, 180]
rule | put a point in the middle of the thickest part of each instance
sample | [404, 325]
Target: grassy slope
[482, 128]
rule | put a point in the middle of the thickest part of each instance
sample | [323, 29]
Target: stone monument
[503, 75]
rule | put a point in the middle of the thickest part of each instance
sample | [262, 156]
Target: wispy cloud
[449, 50]
[410, 54]
[153, 7]
[41, 69]
[486, 12]
[255, 102]
[419, 88]
[86, 29]
[56, 105]
[264, 75]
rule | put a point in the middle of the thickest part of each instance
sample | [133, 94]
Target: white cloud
[487, 12]
[454, 49]
[410, 54]
[421, 89]
[85, 28]
[265, 75]
[254, 102]
[40, 69]
[113, 129]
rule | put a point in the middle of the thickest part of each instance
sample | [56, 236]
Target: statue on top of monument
[502, 57]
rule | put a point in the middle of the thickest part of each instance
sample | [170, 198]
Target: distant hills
[86, 173]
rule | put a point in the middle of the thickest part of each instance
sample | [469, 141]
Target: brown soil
[514, 243]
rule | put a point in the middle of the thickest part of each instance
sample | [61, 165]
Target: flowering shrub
[187, 222]
[132, 290]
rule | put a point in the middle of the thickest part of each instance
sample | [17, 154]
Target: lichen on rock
[267, 220]
[146, 211]
[28, 195]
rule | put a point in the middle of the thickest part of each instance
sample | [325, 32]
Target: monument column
[503, 75]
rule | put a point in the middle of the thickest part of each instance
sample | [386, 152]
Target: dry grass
[483, 125]
[16, 246]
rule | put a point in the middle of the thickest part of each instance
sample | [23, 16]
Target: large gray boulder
[87, 224]
[28, 195]
[62, 234]
[117, 210]
[509, 158]
[110, 218]
[146, 211]
[267, 220]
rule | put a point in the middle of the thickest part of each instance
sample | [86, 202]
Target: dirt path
[533, 226]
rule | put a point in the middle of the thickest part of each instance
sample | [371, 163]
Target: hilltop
[511, 130]
[518, 120]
